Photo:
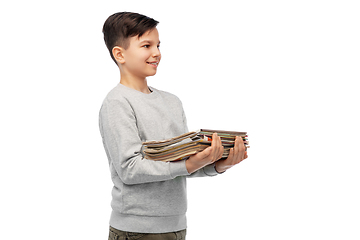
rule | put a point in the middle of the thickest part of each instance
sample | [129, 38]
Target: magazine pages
[188, 144]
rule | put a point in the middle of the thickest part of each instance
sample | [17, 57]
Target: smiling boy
[149, 197]
[142, 59]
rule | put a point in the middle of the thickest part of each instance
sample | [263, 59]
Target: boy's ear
[118, 53]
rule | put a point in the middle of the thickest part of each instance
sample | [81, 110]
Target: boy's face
[142, 57]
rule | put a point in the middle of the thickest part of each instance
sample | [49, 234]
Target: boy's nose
[156, 53]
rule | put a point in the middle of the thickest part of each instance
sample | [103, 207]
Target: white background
[285, 71]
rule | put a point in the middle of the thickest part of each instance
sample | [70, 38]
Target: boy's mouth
[154, 64]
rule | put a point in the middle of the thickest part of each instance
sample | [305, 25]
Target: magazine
[190, 143]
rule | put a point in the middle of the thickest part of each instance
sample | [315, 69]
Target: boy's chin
[151, 74]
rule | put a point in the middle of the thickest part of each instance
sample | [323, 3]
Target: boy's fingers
[236, 146]
[221, 149]
[221, 152]
[216, 143]
[241, 144]
[231, 154]
[205, 153]
[215, 140]
[239, 149]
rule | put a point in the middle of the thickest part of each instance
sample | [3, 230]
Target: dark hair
[119, 27]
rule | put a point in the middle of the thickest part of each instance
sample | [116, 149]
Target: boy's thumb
[207, 151]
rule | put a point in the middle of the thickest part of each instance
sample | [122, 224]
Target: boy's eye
[148, 46]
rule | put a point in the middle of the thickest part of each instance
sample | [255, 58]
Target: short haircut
[119, 27]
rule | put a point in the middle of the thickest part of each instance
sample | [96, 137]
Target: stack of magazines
[188, 144]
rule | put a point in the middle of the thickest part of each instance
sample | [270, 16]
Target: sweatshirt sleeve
[207, 171]
[123, 145]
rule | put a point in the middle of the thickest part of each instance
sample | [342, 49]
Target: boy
[148, 197]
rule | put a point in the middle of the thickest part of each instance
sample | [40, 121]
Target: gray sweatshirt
[148, 196]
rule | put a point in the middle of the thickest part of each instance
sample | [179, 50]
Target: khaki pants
[115, 234]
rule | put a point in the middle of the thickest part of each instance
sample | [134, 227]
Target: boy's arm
[123, 147]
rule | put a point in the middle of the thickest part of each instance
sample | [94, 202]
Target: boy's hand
[237, 154]
[206, 157]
